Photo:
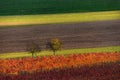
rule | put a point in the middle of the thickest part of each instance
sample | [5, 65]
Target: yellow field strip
[58, 18]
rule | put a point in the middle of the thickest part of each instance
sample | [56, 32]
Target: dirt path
[73, 35]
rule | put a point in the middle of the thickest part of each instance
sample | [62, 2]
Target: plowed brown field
[73, 35]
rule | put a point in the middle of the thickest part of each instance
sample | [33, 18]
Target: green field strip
[26, 7]
[62, 52]
[58, 18]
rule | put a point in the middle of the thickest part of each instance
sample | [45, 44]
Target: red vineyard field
[109, 71]
[15, 66]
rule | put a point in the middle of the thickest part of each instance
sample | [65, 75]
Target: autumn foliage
[38, 64]
[109, 71]
[55, 45]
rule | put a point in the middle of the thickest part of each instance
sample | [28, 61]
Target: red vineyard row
[108, 71]
[14, 66]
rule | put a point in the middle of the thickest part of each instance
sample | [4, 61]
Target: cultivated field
[21, 7]
[73, 35]
[89, 31]
[96, 72]
[18, 20]
[100, 66]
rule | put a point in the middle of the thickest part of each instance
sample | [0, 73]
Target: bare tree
[33, 48]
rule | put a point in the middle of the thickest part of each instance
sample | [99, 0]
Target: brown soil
[73, 35]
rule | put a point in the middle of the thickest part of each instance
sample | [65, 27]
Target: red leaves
[13, 66]
[109, 71]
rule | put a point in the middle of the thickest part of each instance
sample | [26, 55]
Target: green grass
[62, 52]
[57, 18]
[25, 7]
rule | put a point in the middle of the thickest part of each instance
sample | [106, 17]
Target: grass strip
[62, 52]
